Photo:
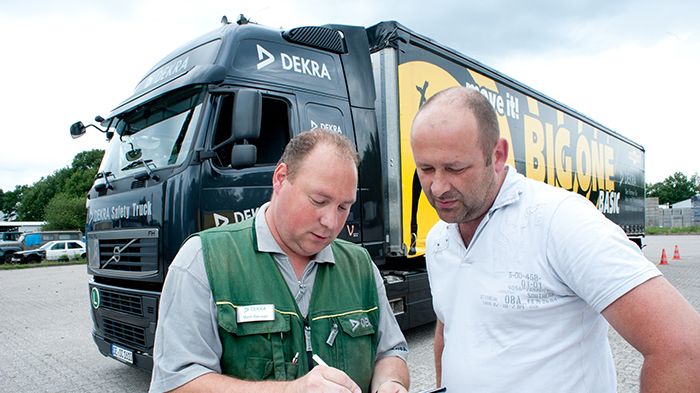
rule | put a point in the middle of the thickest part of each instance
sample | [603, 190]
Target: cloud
[630, 65]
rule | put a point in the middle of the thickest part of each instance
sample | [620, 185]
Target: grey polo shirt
[187, 341]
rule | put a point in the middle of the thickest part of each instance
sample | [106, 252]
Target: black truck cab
[195, 146]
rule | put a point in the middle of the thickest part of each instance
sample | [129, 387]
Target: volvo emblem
[117, 252]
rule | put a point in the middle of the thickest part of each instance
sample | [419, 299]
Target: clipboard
[434, 390]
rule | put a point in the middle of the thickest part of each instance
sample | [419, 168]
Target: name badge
[255, 313]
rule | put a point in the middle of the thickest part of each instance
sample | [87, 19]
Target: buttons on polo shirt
[301, 291]
[441, 244]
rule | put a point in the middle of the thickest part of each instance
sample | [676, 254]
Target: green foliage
[65, 212]
[674, 188]
[9, 201]
[672, 231]
[44, 263]
[88, 160]
[35, 199]
[73, 182]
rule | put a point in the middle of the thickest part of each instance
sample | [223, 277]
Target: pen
[318, 360]
[295, 359]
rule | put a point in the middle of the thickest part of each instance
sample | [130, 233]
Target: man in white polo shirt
[526, 277]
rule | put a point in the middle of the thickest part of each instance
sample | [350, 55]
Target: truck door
[231, 194]
[334, 115]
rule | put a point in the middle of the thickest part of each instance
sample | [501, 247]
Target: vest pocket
[260, 369]
[354, 347]
[226, 315]
[357, 324]
[256, 349]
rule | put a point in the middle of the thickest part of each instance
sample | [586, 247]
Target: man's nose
[329, 218]
[439, 186]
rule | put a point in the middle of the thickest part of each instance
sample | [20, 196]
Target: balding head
[466, 99]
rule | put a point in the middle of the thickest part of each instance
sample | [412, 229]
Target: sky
[631, 65]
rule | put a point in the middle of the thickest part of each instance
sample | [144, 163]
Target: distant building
[681, 214]
[21, 226]
[690, 202]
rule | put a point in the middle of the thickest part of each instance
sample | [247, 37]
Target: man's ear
[279, 176]
[500, 155]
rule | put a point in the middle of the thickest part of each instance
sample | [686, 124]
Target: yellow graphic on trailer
[418, 81]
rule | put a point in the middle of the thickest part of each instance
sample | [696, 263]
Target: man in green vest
[245, 307]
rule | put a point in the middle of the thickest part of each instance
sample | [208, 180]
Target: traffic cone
[664, 261]
[676, 254]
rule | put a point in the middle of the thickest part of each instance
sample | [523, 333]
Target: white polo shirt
[521, 305]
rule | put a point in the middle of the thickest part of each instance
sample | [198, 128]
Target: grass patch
[695, 230]
[44, 263]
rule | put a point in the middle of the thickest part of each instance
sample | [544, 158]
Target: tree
[674, 188]
[37, 197]
[88, 160]
[65, 212]
[9, 201]
[74, 181]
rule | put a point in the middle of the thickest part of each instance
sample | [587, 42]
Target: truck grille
[126, 250]
[118, 332]
[121, 302]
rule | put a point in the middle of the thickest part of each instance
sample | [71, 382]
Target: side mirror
[247, 115]
[77, 129]
[243, 156]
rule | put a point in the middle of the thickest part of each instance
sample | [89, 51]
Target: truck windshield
[157, 134]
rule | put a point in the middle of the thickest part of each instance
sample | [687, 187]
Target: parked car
[53, 250]
[65, 249]
[7, 249]
[30, 256]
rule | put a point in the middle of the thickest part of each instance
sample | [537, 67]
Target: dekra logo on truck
[296, 64]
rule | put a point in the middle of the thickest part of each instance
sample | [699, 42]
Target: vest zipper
[307, 341]
[332, 335]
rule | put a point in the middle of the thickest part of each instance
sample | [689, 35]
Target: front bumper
[142, 361]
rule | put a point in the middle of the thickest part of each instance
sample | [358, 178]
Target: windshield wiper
[148, 174]
[138, 162]
[100, 187]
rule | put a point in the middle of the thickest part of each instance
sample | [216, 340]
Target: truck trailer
[196, 144]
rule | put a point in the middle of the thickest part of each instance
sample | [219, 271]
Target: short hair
[473, 100]
[301, 146]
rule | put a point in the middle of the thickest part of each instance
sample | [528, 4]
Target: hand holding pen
[323, 378]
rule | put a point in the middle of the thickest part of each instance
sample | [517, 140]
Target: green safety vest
[342, 321]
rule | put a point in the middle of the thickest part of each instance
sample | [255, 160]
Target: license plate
[122, 354]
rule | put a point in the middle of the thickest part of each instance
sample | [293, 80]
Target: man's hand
[324, 379]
